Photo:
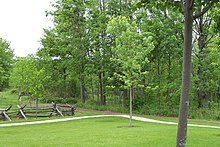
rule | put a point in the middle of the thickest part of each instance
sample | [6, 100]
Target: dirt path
[99, 112]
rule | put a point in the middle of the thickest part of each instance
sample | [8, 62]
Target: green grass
[190, 121]
[7, 99]
[102, 131]
[111, 131]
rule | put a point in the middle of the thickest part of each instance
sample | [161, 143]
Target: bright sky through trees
[22, 23]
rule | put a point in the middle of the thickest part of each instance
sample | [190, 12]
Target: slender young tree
[130, 52]
[27, 77]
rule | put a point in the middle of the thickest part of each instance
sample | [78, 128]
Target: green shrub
[205, 113]
[69, 100]
[14, 91]
[60, 100]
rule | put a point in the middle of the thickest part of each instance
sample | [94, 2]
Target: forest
[102, 52]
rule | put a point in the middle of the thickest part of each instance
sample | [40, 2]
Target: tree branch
[177, 4]
[204, 10]
[191, 5]
[182, 5]
[209, 39]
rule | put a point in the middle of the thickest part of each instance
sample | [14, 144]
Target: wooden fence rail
[42, 111]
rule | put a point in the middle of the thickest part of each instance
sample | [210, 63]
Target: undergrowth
[204, 113]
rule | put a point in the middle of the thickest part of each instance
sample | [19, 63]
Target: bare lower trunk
[93, 91]
[201, 25]
[125, 95]
[130, 106]
[184, 101]
[158, 77]
[102, 90]
[82, 88]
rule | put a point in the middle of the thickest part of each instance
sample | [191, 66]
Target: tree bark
[169, 81]
[158, 78]
[202, 24]
[101, 89]
[64, 73]
[93, 91]
[130, 106]
[125, 96]
[184, 101]
[82, 88]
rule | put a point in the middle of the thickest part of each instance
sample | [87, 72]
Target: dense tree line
[104, 51]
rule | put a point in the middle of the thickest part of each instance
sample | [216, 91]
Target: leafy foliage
[130, 51]
[98, 48]
[6, 60]
[27, 77]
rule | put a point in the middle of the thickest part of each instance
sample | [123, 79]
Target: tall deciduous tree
[202, 38]
[188, 7]
[188, 11]
[70, 31]
[184, 100]
[130, 52]
[78, 49]
[166, 54]
[98, 49]
[56, 58]
[6, 59]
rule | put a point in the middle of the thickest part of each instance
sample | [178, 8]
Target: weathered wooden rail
[21, 111]
[42, 111]
[4, 113]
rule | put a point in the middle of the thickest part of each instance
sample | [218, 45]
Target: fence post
[4, 113]
[21, 111]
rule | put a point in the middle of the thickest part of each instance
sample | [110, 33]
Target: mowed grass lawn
[108, 131]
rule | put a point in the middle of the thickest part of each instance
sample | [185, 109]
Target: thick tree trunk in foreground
[184, 101]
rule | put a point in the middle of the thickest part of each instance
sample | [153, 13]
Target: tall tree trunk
[130, 106]
[101, 89]
[184, 101]
[158, 78]
[93, 91]
[82, 88]
[104, 90]
[125, 95]
[102, 56]
[218, 96]
[201, 25]
[169, 81]
[64, 73]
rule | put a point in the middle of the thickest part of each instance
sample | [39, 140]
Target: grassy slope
[190, 121]
[7, 99]
[104, 132]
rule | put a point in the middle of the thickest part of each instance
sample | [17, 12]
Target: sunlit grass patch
[105, 131]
